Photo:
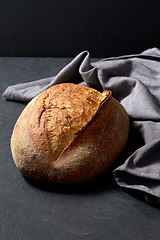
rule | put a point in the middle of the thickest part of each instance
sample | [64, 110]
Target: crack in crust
[60, 113]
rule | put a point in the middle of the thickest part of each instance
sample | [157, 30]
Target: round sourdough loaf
[69, 133]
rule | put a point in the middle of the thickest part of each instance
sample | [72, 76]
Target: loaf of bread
[69, 134]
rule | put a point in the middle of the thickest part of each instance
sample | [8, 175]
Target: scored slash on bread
[69, 134]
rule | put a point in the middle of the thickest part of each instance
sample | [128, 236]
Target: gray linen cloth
[135, 81]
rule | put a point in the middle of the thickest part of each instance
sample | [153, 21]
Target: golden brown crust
[59, 113]
[96, 140]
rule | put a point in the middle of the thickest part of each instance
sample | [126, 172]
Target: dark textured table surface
[31, 210]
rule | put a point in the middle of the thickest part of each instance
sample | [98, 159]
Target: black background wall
[63, 28]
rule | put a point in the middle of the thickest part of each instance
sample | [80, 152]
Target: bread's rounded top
[59, 113]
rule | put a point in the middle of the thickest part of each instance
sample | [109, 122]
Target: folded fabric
[134, 80]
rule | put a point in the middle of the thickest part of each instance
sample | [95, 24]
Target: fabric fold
[135, 81]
